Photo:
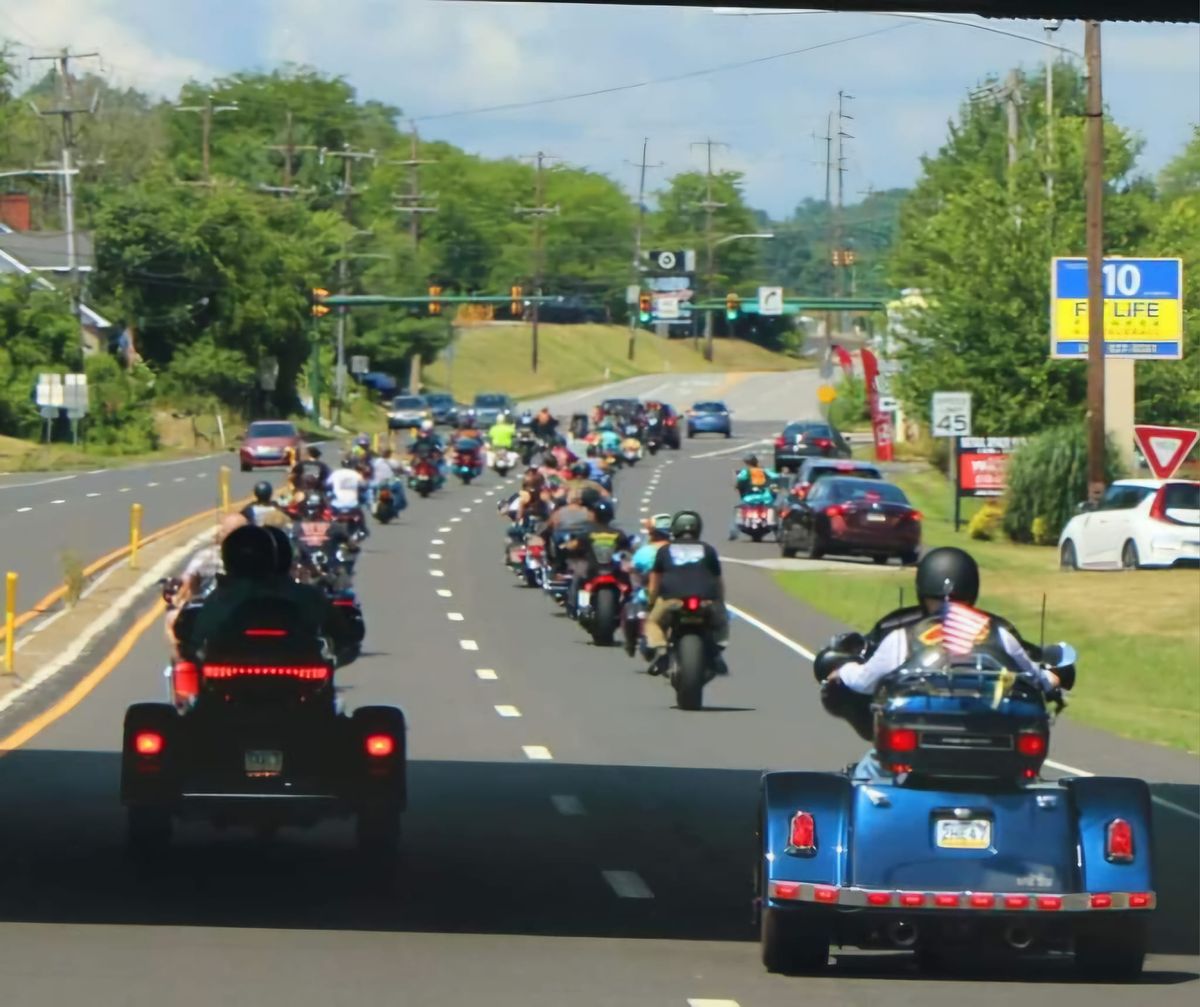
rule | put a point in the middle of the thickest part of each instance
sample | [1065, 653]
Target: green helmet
[686, 524]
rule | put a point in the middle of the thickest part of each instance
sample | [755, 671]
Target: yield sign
[1165, 448]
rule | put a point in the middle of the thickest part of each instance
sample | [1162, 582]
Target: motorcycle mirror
[1060, 655]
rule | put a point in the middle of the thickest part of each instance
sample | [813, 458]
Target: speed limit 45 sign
[951, 414]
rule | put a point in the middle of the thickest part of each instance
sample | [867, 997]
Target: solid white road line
[486, 674]
[706, 1002]
[445, 593]
[507, 711]
[538, 753]
[567, 804]
[808, 655]
[455, 616]
[37, 482]
[627, 884]
[468, 644]
[733, 450]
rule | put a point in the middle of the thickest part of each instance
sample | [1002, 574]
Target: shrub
[1047, 478]
[119, 420]
[849, 409]
[986, 521]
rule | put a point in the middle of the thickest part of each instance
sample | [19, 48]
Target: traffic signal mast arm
[381, 300]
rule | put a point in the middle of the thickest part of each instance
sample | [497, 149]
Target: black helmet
[314, 452]
[602, 511]
[262, 492]
[313, 505]
[948, 572]
[686, 524]
[283, 550]
[249, 552]
[590, 497]
[751, 461]
[580, 470]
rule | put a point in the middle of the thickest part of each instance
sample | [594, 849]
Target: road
[572, 838]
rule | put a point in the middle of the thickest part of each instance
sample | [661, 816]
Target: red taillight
[912, 899]
[1139, 900]
[1118, 841]
[946, 901]
[266, 632]
[915, 515]
[670, 421]
[1031, 744]
[780, 442]
[343, 603]
[186, 680]
[692, 604]
[148, 743]
[802, 836]
[1158, 509]
[1101, 901]
[898, 739]
[879, 898]
[785, 889]
[822, 442]
[312, 673]
[380, 746]
[823, 893]
[1050, 902]
[982, 900]
[1016, 901]
[835, 510]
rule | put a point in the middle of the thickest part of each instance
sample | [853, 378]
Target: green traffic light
[730, 315]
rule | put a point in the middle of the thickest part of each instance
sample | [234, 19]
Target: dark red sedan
[270, 443]
[850, 516]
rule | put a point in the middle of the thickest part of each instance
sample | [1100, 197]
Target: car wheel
[787, 551]
[728, 434]
[691, 433]
[245, 467]
[880, 560]
[815, 549]
[1067, 558]
[1129, 556]
[910, 558]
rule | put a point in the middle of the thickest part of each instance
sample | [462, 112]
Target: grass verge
[1139, 670]
[496, 358]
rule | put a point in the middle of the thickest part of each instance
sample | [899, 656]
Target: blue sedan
[709, 418]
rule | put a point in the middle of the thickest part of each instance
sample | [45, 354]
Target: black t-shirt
[602, 542]
[318, 470]
[688, 570]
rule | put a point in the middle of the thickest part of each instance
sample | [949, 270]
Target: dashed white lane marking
[435, 555]
[627, 884]
[445, 593]
[123, 489]
[567, 804]
[437, 541]
[437, 573]
[468, 644]
[58, 501]
[151, 485]
[455, 520]
[507, 711]
[179, 479]
[93, 495]
[96, 472]
[446, 529]
[480, 500]
[707, 1002]
[455, 616]
[490, 493]
[201, 475]
[465, 510]
[486, 674]
[644, 509]
[22, 510]
[539, 753]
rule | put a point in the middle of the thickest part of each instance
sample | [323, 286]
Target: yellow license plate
[963, 834]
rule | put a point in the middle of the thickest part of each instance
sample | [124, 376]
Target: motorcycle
[527, 445]
[693, 657]
[503, 461]
[652, 436]
[757, 520]
[354, 519]
[631, 451]
[425, 477]
[387, 502]
[467, 463]
[600, 602]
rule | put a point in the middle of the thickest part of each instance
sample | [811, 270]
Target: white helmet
[426, 426]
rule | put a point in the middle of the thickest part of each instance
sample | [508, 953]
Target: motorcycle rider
[427, 447]
[686, 568]
[753, 484]
[311, 469]
[608, 440]
[264, 511]
[852, 666]
[383, 473]
[314, 531]
[545, 426]
[592, 546]
[201, 571]
[502, 433]
[581, 479]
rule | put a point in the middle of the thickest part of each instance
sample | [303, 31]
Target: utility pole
[66, 110]
[206, 113]
[1094, 193]
[1012, 101]
[1050, 28]
[637, 236]
[288, 148]
[349, 156]
[709, 206]
[838, 226]
[538, 211]
[410, 202]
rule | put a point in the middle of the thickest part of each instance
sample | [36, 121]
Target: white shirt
[205, 564]
[864, 676]
[344, 486]
[381, 470]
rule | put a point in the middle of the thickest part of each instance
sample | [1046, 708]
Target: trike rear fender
[825, 796]
[1098, 801]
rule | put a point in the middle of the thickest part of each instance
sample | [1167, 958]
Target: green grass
[1139, 667]
[497, 358]
[18, 455]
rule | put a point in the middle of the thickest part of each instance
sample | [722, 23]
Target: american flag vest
[959, 630]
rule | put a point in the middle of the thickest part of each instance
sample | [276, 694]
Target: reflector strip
[800, 891]
[312, 673]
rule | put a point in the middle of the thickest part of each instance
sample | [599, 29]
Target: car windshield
[408, 402]
[440, 400]
[808, 429]
[491, 401]
[271, 430]
[866, 490]
[709, 407]
[816, 472]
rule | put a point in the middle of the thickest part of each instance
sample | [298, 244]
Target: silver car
[408, 412]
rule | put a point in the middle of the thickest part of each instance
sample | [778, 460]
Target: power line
[206, 113]
[538, 211]
[637, 234]
[410, 202]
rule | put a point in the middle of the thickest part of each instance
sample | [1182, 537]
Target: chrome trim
[260, 797]
[855, 898]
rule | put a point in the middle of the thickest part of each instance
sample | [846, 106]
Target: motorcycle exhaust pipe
[902, 934]
[1017, 937]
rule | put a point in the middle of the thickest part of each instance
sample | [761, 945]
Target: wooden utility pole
[1094, 193]
[288, 149]
[637, 238]
[410, 202]
[206, 113]
[709, 206]
[537, 211]
[839, 237]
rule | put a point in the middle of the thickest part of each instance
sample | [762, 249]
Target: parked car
[408, 412]
[805, 439]
[709, 418]
[1137, 523]
[443, 407]
[268, 443]
[489, 405]
[852, 516]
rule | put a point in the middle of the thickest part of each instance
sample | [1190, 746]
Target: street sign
[632, 292]
[75, 393]
[682, 260]
[888, 404]
[1165, 448]
[770, 300]
[826, 394]
[1143, 308]
[951, 414]
[667, 308]
[359, 365]
[49, 393]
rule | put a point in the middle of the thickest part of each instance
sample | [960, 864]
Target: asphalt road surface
[571, 838]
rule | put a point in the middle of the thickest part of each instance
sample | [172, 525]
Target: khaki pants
[659, 616]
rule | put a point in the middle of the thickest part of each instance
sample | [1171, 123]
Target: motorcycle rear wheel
[605, 616]
[689, 672]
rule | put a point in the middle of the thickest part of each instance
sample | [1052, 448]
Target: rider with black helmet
[852, 666]
[686, 568]
[264, 511]
[594, 544]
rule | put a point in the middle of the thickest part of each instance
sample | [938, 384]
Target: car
[622, 409]
[852, 516]
[443, 408]
[709, 418]
[666, 419]
[269, 443]
[1136, 523]
[489, 405]
[408, 412]
[805, 439]
[813, 469]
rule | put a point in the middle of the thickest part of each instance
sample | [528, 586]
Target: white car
[1137, 523]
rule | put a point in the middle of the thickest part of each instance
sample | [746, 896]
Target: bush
[986, 521]
[120, 420]
[849, 410]
[1047, 478]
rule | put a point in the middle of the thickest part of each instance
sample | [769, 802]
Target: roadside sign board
[770, 300]
[671, 288]
[1165, 448]
[682, 260]
[950, 415]
[49, 393]
[888, 404]
[667, 308]
[1143, 308]
[359, 365]
[983, 465]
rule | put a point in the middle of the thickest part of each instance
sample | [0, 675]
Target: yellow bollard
[10, 616]
[135, 534]
[375, 442]
[223, 480]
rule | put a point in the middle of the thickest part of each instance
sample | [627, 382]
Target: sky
[436, 59]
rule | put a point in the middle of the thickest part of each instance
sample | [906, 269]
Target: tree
[37, 333]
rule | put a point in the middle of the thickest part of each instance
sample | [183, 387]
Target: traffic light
[518, 305]
[316, 299]
[843, 256]
[645, 308]
[733, 307]
[435, 307]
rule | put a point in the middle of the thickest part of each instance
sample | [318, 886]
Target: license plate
[585, 598]
[963, 834]
[877, 517]
[262, 762]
